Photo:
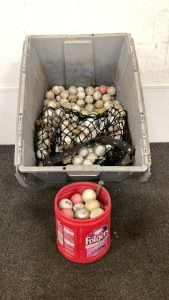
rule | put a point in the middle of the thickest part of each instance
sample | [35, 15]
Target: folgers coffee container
[83, 241]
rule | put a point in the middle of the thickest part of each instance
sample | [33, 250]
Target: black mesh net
[60, 129]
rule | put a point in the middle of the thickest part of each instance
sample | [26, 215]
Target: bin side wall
[106, 53]
[35, 88]
[127, 95]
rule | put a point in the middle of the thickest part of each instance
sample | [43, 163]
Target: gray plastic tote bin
[79, 60]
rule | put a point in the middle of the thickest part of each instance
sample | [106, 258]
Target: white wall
[147, 21]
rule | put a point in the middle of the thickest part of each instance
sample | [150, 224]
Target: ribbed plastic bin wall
[80, 60]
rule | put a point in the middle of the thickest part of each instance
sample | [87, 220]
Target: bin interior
[81, 61]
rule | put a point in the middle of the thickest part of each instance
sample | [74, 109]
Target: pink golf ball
[67, 212]
[102, 89]
[76, 198]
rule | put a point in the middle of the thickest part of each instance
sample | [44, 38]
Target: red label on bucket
[60, 233]
[69, 240]
[66, 238]
[96, 241]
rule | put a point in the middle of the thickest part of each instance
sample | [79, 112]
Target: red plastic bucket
[83, 241]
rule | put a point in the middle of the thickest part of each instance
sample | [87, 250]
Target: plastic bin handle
[127, 148]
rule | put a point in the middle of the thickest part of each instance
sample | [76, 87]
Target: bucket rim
[78, 221]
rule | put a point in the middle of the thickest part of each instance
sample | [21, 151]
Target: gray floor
[135, 267]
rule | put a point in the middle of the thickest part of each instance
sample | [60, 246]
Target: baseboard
[156, 100]
[8, 108]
